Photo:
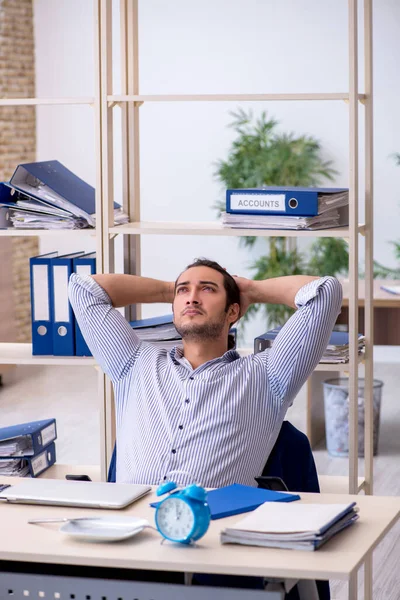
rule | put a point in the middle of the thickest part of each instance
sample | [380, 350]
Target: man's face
[200, 304]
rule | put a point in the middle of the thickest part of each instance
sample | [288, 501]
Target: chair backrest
[112, 469]
[291, 459]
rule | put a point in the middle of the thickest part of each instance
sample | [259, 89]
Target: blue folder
[42, 303]
[272, 200]
[39, 434]
[36, 464]
[63, 316]
[51, 182]
[83, 265]
[237, 498]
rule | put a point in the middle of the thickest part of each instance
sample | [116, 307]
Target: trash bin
[336, 401]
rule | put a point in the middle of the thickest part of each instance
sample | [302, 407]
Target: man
[202, 413]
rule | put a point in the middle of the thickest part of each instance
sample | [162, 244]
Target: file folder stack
[55, 331]
[161, 332]
[27, 449]
[292, 526]
[286, 208]
[47, 195]
[337, 351]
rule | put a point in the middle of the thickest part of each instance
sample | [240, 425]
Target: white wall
[217, 46]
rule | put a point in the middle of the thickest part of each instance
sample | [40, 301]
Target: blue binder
[265, 340]
[271, 200]
[237, 498]
[23, 466]
[51, 182]
[63, 316]
[42, 303]
[83, 265]
[37, 434]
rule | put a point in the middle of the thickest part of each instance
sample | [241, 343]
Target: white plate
[104, 529]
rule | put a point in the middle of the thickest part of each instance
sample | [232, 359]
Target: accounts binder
[237, 498]
[63, 317]
[27, 439]
[83, 265]
[28, 465]
[42, 303]
[290, 201]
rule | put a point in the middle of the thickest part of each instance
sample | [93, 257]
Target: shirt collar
[178, 357]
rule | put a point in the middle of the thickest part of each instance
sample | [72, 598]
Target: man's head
[206, 301]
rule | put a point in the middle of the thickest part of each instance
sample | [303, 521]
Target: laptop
[58, 492]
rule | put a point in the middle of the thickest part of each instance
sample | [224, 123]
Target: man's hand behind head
[245, 286]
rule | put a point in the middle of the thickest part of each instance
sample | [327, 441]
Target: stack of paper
[46, 195]
[337, 351]
[159, 331]
[292, 526]
[326, 220]
[392, 289]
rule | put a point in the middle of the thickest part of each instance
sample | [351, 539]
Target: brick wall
[18, 145]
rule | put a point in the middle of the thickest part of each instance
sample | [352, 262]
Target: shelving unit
[104, 103]
[129, 102]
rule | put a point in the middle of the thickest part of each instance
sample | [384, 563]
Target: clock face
[175, 519]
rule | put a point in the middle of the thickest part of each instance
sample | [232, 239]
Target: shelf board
[215, 228]
[337, 484]
[44, 101]
[229, 97]
[11, 232]
[21, 354]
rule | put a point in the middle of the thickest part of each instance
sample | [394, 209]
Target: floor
[69, 395]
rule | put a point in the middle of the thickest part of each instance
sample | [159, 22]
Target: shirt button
[191, 377]
[165, 477]
[173, 451]
[187, 400]
[180, 426]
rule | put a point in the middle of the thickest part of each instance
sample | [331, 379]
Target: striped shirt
[214, 425]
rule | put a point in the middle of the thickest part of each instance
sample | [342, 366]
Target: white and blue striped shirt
[216, 424]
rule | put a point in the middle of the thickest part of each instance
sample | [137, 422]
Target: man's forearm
[132, 289]
[279, 290]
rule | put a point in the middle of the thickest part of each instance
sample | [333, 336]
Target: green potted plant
[259, 156]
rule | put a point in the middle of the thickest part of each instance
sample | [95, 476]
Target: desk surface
[381, 298]
[20, 541]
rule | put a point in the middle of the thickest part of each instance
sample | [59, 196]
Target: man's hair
[230, 286]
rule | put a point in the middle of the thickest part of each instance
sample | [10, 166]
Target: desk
[386, 311]
[42, 549]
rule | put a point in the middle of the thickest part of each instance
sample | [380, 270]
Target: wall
[17, 140]
[217, 47]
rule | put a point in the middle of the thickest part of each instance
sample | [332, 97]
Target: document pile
[27, 448]
[392, 289]
[159, 331]
[47, 195]
[337, 351]
[293, 526]
[286, 208]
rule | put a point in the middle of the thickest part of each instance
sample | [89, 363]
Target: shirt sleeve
[107, 333]
[300, 344]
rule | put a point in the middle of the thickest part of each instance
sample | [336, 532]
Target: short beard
[200, 333]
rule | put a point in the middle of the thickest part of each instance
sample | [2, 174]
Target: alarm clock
[184, 516]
